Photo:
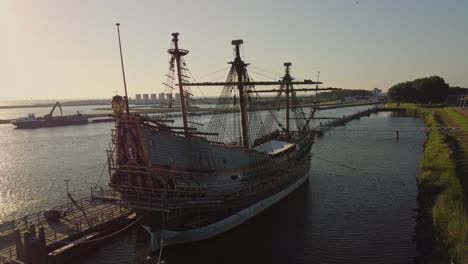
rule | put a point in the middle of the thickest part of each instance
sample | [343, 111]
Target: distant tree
[423, 90]
[432, 89]
[403, 92]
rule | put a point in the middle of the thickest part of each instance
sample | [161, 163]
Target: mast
[287, 79]
[316, 92]
[243, 81]
[240, 70]
[316, 103]
[123, 70]
[177, 53]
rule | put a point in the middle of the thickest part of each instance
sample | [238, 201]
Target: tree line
[342, 94]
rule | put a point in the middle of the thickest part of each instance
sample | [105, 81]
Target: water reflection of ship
[197, 180]
[31, 121]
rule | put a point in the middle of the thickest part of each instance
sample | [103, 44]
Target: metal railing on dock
[76, 220]
[7, 260]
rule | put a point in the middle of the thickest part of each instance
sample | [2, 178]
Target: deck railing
[38, 217]
[129, 196]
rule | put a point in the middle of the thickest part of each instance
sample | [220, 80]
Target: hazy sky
[69, 49]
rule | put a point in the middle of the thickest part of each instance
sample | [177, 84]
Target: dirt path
[463, 111]
[461, 138]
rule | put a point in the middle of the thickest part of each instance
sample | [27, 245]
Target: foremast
[287, 79]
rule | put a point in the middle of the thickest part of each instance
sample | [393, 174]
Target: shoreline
[143, 111]
[441, 230]
[64, 104]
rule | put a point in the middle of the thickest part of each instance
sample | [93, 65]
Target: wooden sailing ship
[201, 178]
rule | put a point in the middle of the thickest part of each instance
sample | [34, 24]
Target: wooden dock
[345, 119]
[34, 239]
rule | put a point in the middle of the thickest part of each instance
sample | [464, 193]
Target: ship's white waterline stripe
[180, 237]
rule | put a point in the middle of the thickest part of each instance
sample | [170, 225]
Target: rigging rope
[102, 173]
[212, 73]
[101, 238]
[217, 123]
[162, 239]
[263, 75]
[201, 91]
[268, 108]
[332, 162]
[267, 71]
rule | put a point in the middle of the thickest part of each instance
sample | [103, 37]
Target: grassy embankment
[443, 185]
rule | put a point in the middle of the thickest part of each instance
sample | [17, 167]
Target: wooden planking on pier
[72, 224]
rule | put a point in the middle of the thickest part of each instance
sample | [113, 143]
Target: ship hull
[50, 123]
[173, 237]
[191, 189]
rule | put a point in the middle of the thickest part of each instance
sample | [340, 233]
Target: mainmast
[287, 79]
[177, 53]
[239, 66]
[243, 82]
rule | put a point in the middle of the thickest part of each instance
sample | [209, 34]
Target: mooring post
[32, 230]
[26, 246]
[19, 245]
[42, 246]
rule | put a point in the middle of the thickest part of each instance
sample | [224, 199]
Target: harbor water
[359, 205]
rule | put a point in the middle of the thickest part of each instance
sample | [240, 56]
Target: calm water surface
[341, 215]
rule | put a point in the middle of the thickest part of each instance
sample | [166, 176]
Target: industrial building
[137, 98]
[154, 100]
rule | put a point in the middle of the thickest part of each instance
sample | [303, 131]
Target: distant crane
[49, 115]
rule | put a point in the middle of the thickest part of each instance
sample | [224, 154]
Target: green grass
[438, 177]
[441, 187]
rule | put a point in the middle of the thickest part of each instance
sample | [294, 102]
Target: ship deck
[274, 146]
